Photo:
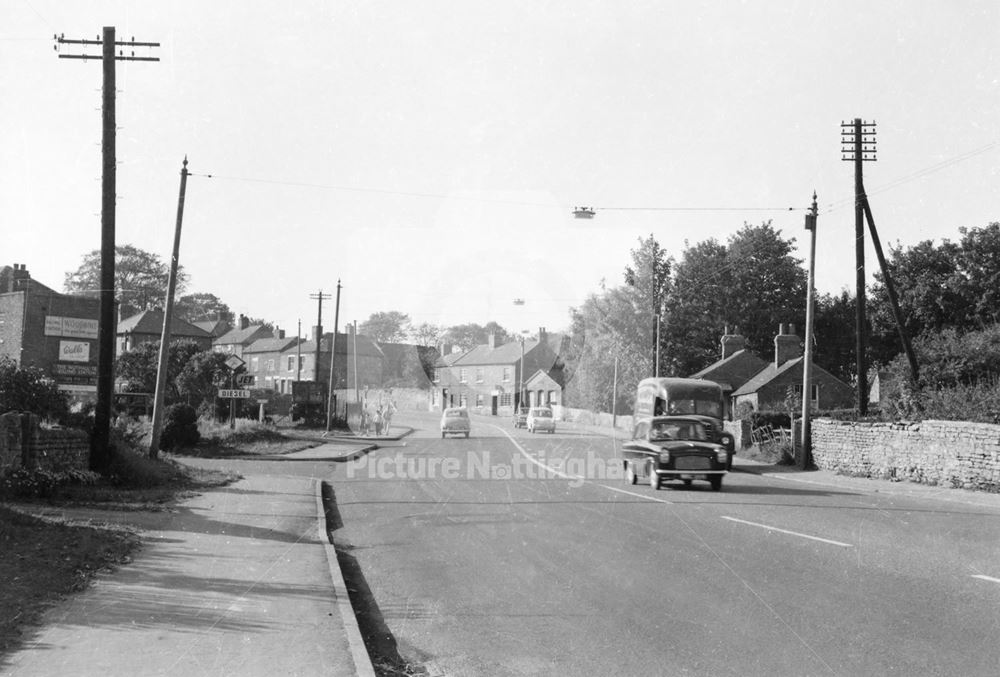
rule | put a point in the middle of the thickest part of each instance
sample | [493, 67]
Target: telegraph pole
[331, 404]
[858, 146]
[100, 454]
[320, 297]
[168, 309]
[804, 460]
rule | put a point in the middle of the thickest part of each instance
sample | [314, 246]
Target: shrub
[39, 483]
[180, 427]
[135, 470]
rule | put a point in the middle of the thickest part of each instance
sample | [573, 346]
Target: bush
[30, 389]
[135, 470]
[39, 483]
[180, 427]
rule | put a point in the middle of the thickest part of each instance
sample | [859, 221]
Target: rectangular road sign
[234, 394]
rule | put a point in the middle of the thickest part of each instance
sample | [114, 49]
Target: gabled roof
[151, 322]
[542, 378]
[213, 327]
[734, 371]
[766, 375]
[270, 345]
[508, 353]
[244, 337]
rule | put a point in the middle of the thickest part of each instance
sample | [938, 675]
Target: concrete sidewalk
[240, 580]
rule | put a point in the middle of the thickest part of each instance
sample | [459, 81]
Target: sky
[429, 155]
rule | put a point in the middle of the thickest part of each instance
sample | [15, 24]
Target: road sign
[234, 362]
[234, 394]
[244, 380]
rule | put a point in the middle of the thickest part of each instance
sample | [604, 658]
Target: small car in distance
[520, 417]
[674, 448]
[540, 418]
[455, 421]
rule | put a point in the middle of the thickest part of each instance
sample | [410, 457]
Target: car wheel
[630, 477]
[442, 436]
[716, 482]
[654, 479]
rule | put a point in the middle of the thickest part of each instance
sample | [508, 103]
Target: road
[480, 561]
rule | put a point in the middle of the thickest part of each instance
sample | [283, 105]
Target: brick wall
[947, 453]
[23, 443]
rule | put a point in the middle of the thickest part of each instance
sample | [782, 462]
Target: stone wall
[23, 443]
[946, 453]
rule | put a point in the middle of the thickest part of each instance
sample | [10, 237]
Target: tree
[29, 389]
[649, 276]
[426, 334]
[140, 278]
[138, 367]
[201, 377]
[697, 309]
[979, 261]
[465, 336]
[833, 331]
[203, 306]
[386, 327]
[768, 284]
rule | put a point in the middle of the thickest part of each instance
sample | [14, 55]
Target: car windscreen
[542, 413]
[455, 413]
[677, 430]
[691, 406]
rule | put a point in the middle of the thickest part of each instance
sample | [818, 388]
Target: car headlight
[721, 455]
[664, 457]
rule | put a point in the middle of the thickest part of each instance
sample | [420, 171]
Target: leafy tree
[649, 276]
[768, 284]
[501, 334]
[140, 278]
[834, 334]
[267, 324]
[697, 309]
[201, 377]
[979, 261]
[426, 334]
[137, 367]
[386, 327]
[29, 389]
[202, 306]
[466, 336]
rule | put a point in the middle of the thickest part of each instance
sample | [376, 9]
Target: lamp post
[520, 378]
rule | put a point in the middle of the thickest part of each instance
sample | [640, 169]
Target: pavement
[243, 580]
[240, 580]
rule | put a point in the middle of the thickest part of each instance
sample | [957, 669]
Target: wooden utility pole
[804, 459]
[168, 311]
[320, 297]
[331, 399]
[858, 146]
[100, 453]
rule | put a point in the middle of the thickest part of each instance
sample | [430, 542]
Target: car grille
[692, 463]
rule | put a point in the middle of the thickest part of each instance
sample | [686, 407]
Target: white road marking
[986, 578]
[576, 477]
[790, 533]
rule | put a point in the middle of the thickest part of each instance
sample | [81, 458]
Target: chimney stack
[787, 345]
[492, 340]
[732, 344]
[542, 336]
[244, 321]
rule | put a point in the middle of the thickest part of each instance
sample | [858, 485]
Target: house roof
[542, 378]
[270, 345]
[244, 337]
[734, 371]
[766, 375]
[213, 327]
[345, 346]
[508, 353]
[151, 322]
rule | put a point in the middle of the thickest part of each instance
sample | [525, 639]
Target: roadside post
[232, 393]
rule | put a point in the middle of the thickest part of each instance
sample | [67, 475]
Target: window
[463, 400]
[506, 374]
[270, 365]
[291, 363]
[479, 374]
[254, 364]
[462, 377]
[479, 400]
[505, 400]
[437, 375]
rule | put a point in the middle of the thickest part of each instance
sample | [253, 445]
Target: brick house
[55, 332]
[276, 363]
[747, 379]
[147, 327]
[239, 337]
[493, 379]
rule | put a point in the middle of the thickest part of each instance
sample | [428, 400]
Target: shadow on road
[379, 640]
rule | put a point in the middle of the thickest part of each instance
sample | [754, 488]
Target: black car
[673, 448]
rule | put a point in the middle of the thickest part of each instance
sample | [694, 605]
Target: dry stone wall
[23, 443]
[946, 453]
